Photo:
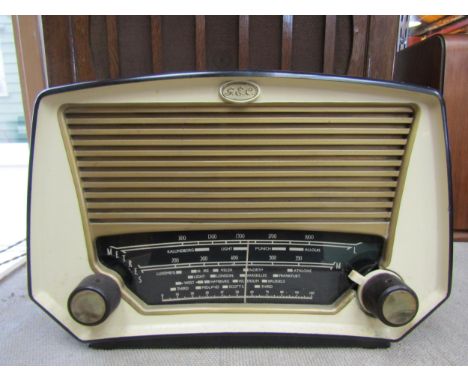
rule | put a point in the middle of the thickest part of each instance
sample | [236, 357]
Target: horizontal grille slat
[118, 163]
[258, 163]
[104, 194]
[237, 120]
[78, 111]
[238, 184]
[237, 152]
[234, 174]
[237, 142]
[76, 132]
[233, 205]
[236, 215]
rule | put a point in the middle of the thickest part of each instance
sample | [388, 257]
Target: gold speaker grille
[149, 163]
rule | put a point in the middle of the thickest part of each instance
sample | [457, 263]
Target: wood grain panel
[442, 63]
[456, 95]
[329, 46]
[135, 48]
[56, 30]
[178, 46]
[308, 43]
[156, 43]
[383, 36]
[113, 46]
[460, 236]
[81, 48]
[244, 42]
[265, 42]
[200, 43]
[98, 46]
[287, 41]
[88, 47]
[422, 64]
[357, 61]
[343, 44]
[222, 42]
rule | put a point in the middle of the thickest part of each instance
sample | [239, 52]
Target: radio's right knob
[384, 295]
[94, 299]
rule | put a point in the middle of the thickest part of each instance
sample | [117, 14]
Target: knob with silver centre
[384, 295]
[94, 299]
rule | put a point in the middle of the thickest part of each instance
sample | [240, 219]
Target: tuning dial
[94, 299]
[384, 295]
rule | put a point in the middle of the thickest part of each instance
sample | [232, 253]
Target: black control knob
[384, 295]
[94, 299]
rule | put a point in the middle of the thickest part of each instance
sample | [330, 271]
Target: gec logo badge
[239, 91]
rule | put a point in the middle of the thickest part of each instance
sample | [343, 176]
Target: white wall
[12, 126]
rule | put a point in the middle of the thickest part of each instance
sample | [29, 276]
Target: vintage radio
[251, 207]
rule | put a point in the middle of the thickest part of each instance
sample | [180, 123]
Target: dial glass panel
[254, 266]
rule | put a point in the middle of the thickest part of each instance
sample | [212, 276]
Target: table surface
[29, 337]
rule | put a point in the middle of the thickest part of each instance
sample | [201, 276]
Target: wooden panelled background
[83, 48]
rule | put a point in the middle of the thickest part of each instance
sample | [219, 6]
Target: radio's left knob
[383, 294]
[94, 299]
